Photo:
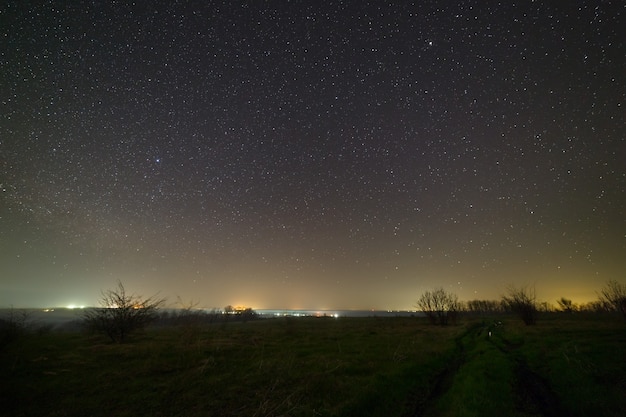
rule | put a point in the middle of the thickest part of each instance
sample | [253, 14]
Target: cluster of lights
[334, 315]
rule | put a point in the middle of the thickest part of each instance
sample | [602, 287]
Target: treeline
[562, 305]
[443, 307]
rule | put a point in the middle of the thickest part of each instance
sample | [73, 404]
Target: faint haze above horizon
[311, 155]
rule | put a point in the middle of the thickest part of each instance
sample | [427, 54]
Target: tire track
[442, 382]
[531, 394]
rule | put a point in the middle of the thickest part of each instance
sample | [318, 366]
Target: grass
[584, 360]
[304, 366]
[481, 385]
[398, 366]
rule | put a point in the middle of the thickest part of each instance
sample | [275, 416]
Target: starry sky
[307, 154]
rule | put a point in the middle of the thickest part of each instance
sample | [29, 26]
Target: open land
[566, 365]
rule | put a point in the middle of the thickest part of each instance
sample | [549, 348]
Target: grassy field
[324, 367]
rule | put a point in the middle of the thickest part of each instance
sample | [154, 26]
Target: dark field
[402, 366]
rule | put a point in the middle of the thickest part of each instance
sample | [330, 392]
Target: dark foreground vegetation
[565, 365]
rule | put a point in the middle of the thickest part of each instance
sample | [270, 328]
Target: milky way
[311, 154]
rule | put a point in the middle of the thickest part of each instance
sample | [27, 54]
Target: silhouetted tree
[522, 301]
[484, 306]
[440, 307]
[121, 314]
[566, 305]
[613, 297]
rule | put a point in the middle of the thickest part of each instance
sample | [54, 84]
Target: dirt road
[488, 376]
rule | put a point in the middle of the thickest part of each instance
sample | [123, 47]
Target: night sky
[314, 155]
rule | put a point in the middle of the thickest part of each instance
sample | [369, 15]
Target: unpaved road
[528, 393]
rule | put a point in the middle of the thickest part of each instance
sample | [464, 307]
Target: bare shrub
[484, 307]
[121, 314]
[566, 305]
[613, 297]
[522, 301]
[440, 307]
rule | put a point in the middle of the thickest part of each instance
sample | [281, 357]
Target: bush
[522, 301]
[566, 305]
[440, 307]
[613, 297]
[121, 313]
[484, 307]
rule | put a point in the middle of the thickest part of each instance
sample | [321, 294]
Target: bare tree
[566, 305]
[121, 314]
[613, 297]
[484, 306]
[440, 307]
[523, 302]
